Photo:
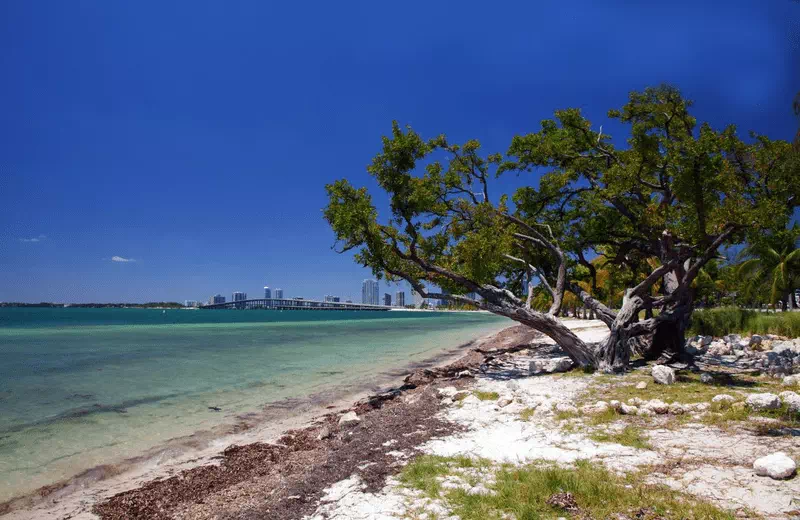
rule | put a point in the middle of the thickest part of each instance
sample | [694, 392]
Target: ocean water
[85, 387]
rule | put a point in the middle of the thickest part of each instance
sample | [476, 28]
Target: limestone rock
[636, 401]
[656, 406]
[723, 398]
[615, 404]
[791, 380]
[625, 409]
[777, 465]
[349, 419]
[706, 378]
[566, 408]
[663, 375]
[678, 409]
[764, 401]
[641, 385]
[791, 400]
[755, 339]
[324, 433]
[550, 366]
[503, 402]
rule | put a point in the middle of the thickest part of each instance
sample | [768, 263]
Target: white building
[369, 292]
[279, 293]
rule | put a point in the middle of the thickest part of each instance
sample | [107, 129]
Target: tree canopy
[657, 209]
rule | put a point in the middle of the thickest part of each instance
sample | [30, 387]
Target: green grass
[687, 388]
[630, 436]
[523, 492]
[727, 320]
[724, 414]
[527, 414]
[487, 396]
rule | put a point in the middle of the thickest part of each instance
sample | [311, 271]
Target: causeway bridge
[295, 304]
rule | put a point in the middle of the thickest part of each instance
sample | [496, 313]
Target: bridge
[295, 304]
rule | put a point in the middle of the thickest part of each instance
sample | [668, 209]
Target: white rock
[349, 419]
[678, 409]
[448, 391]
[566, 408]
[791, 400]
[598, 407]
[503, 402]
[636, 401]
[471, 400]
[656, 406]
[646, 412]
[641, 385]
[777, 466]
[706, 378]
[723, 398]
[615, 404]
[625, 409]
[663, 375]
[764, 401]
[791, 380]
[699, 407]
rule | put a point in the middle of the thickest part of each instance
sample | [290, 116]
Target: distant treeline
[168, 305]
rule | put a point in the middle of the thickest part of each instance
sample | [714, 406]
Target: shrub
[726, 320]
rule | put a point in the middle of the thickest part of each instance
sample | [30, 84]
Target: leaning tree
[659, 207]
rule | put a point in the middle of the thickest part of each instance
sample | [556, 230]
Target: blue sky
[196, 137]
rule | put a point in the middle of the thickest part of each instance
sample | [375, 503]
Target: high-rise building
[387, 299]
[267, 292]
[190, 303]
[331, 299]
[216, 299]
[400, 299]
[239, 297]
[279, 294]
[370, 294]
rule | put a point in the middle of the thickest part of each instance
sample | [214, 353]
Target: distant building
[216, 299]
[331, 299]
[348, 300]
[370, 294]
[387, 299]
[443, 302]
[239, 297]
[267, 292]
[400, 299]
[190, 303]
[279, 293]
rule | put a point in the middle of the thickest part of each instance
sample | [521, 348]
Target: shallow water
[83, 387]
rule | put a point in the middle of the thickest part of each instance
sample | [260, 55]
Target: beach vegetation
[649, 215]
[486, 396]
[544, 490]
[631, 435]
[726, 320]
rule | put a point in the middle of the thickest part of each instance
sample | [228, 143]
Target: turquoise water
[84, 387]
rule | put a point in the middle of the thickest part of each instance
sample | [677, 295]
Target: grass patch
[724, 414]
[726, 320]
[687, 388]
[422, 473]
[630, 436]
[523, 492]
[527, 414]
[487, 396]
[565, 415]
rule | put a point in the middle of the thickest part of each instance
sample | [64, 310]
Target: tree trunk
[580, 353]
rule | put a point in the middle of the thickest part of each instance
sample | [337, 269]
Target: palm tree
[773, 264]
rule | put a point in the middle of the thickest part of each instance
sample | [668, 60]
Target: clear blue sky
[196, 137]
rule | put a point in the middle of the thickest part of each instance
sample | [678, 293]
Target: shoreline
[71, 497]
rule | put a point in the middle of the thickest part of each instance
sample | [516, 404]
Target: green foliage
[770, 266]
[673, 189]
[727, 320]
[632, 436]
[487, 396]
[523, 492]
